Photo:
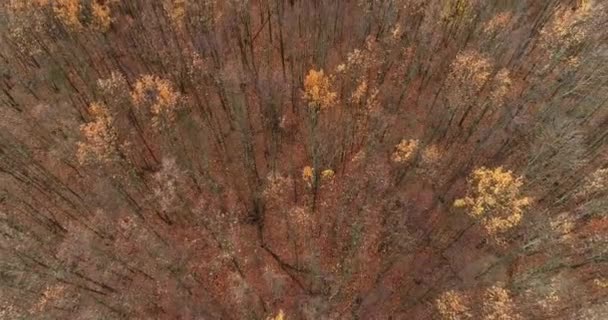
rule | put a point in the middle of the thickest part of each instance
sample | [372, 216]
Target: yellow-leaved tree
[495, 199]
[100, 138]
[405, 150]
[498, 304]
[159, 96]
[71, 13]
[319, 95]
[318, 90]
[279, 316]
[452, 305]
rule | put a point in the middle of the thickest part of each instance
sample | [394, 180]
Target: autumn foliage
[495, 199]
[304, 159]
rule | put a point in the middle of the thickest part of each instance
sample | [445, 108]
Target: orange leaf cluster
[405, 150]
[451, 305]
[318, 90]
[100, 137]
[158, 95]
[70, 12]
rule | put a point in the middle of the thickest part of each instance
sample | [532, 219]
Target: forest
[304, 159]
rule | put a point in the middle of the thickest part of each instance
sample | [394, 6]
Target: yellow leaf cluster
[498, 305]
[100, 137]
[102, 17]
[158, 95]
[429, 165]
[356, 59]
[456, 11]
[279, 316]
[308, 175]
[602, 283]
[495, 199]
[405, 150]
[23, 5]
[318, 90]
[68, 12]
[451, 306]
[569, 28]
[469, 72]
[470, 67]
[176, 11]
[202, 11]
[327, 174]
[361, 59]
[583, 5]
[430, 155]
[396, 32]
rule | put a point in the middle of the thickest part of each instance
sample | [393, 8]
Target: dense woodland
[304, 159]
